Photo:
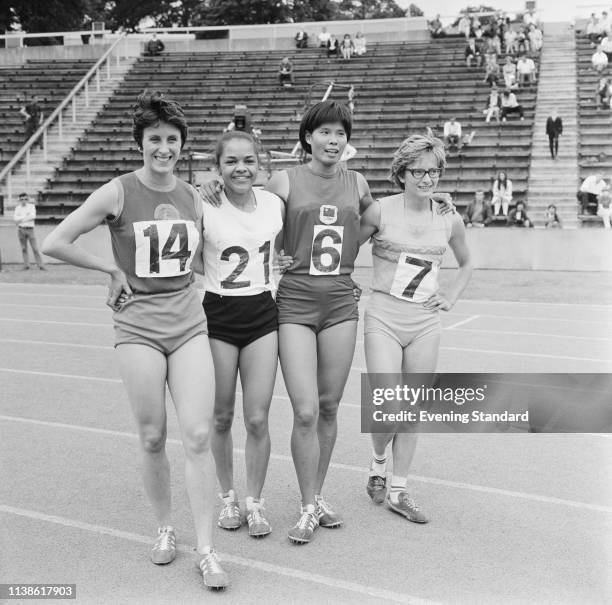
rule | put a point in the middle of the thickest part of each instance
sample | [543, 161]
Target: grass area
[486, 284]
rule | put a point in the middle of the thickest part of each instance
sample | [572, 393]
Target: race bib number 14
[416, 279]
[164, 248]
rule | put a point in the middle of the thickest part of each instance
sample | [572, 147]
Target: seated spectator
[502, 194]
[323, 38]
[477, 214]
[603, 207]
[347, 47]
[536, 38]
[551, 218]
[285, 72]
[522, 41]
[590, 190]
[492, 45]
[301, 39]
[509, 104]
[526, 70]
[529, 18]
[518, 217]
[154, 47]
[606, 46]
[452, 134]
[602, 93]
[494, 104]
[333, 46]
[491, 69]
[473, 53]
[435, 28]
[464, 26]
[510, 42]
[599, 60]
[509, 72]
[593, 30]
[360, 44]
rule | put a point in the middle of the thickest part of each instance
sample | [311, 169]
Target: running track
[516, 518]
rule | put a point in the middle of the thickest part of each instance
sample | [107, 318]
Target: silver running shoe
[213, 574]
[164, 548]
[303, 531]
[325, 515]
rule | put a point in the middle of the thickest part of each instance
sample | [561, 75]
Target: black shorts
[240, 320]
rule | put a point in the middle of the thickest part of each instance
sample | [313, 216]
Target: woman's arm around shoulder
[370, 222]
[365, 197]
[279, 184]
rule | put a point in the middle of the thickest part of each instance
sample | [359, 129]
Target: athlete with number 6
[402, 324]
[155, 221]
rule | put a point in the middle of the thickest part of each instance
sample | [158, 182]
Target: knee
[197, 440]
[223, 422]
[153, 440]
[328, 408]
[256, 425]
[305, 418]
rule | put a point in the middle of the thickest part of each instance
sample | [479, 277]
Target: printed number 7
[419, 277]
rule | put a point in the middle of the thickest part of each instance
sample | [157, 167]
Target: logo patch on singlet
[328, 215]
[166, 212]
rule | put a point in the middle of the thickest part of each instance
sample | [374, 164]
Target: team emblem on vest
[328, 215]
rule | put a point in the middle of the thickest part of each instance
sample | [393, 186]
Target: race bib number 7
[416, 279]
[326, 251]
[164, 248]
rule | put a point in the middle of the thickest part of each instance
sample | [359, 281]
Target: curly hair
[152, 108]
[409, 152]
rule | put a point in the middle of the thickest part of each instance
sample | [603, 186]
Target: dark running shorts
[240, 320]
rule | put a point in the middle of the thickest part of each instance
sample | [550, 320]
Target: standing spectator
[529, 18]
[323, 37]
[347, 47]
[154, 47]
[554, 128]
[509, 72]
[333, 46]
[509, 104]
[477, 214]
[360, 44]
[599, 60]
[551, 218]
[473, 53]
[452, 134]
[33, 117]
[593, 30]
[491, 69]
[603, 207]
[605, 23]
[285, 72]
[24, 216]
[435, 28]
[602, 92]
[518, 217]
[502, 194]
[526, 70]
[590, 190]
[494, 104]
[301, 39]
[606, 46]
[510, 42]
[464, 26]
[536, 39]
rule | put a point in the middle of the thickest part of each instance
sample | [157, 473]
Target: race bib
[416, 278]
[326, 251]
[242, 268]
[164, 248]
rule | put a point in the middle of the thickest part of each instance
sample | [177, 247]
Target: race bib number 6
[416, 279]
[164, 248]
[326, 251]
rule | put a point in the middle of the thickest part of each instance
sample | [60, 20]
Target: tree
[38, 16]
[414, 11]
[242, 12]
[370, 9]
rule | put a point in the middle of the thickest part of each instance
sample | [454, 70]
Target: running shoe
[212, 573]
[258, 524]
[164, 549]
[229, 517]
[326, 516]
[303, 530]
[377, 488]
[407, 507]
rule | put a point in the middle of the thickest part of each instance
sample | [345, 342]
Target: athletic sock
[378, 466]
[398, 484]
[251, 502]
[229, 496]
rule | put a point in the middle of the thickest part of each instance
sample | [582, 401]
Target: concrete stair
[556, 181]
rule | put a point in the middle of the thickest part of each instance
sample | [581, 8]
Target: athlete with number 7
[155, 221]
[402, 325]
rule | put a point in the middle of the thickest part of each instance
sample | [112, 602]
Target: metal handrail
[42, 130]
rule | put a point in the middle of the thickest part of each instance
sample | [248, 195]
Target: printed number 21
[178, 230]
[230, 282]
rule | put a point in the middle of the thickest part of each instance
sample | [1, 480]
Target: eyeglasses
[419, 173]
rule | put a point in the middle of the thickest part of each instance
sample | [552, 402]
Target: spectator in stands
[536, 38]
[241, 120]
[285, 72]
[301, 39]
[554, 128]
[350, 100]
[522, 41]
[33, 117]
[452, 134]
[605, 23]
[323, 37]
[464, 26]
[606, 46]
[602, 93]
[154, 47]
[360, 44]
[333, 46]
[526, 70]
[478, 212]
[347, 47]
[590, 190]
[435, 28]
[494, 104]
[529, 18]
[491, 69]
[599, 60]
[551, 218]
[509, 72]
[502, 194]
[23, 217]
[518, 216]
[603, 207]
[510, 42]
[473, 53]
[593, 30]
[477, 32]
[509, 104]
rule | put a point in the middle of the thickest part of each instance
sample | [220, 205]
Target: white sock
[309, 508]
[251, 502]
[378, 466]
[205, 550]
[398, 484]
[230, 496]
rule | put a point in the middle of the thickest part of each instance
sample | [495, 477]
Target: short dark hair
[324, 112]
[152, 108]
[23, 194]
